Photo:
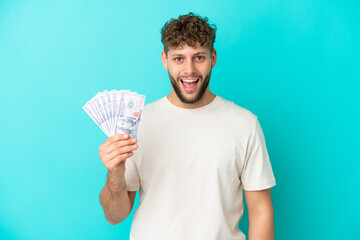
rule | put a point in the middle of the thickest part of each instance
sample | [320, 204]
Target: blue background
[294, 64]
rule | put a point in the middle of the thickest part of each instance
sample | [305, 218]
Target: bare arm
[115, 200]
[261, 214]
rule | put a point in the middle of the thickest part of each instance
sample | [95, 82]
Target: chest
[190, 147]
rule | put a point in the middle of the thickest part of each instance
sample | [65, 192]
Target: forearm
[261, 227]
[115, 200]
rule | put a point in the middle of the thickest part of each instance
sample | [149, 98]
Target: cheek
[205, 69]
[174, 70]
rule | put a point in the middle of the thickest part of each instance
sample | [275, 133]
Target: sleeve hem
[132, 188]
[261, 186]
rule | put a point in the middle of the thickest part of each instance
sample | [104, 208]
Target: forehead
[188, 50]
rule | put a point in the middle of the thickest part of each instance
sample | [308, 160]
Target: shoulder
[154, 106]
[237, 113]
[153, 110]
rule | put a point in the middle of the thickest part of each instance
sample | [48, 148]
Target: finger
[119, 160]
[117, 137]
[118, 144]
[112, 139]
[120, 151]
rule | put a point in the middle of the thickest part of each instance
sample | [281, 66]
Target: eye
[178, 59]
[200, 58]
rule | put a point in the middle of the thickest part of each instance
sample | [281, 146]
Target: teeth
[189, 80]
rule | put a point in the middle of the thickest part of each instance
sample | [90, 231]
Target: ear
[213, 58]
[164, 59]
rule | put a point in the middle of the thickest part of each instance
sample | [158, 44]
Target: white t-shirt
[191, 167]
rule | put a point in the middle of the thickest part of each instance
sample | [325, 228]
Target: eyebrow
[178, 54]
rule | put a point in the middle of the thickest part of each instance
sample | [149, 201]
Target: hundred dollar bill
[88, 109]
[129, 113]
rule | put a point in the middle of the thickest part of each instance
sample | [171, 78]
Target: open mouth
[189, 84]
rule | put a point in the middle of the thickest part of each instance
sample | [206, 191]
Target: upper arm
[259, 202]
[132, 195]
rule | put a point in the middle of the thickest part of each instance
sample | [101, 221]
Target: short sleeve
[132, 174]
[257, 172]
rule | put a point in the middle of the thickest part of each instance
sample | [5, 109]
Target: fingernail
[135, 146]
[133, 140]
[125, 136]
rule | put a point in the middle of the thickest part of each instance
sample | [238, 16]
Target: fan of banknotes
[116, 111]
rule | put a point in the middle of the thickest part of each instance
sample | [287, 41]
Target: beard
[204, 84]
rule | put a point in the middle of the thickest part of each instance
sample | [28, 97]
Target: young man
[196, 153]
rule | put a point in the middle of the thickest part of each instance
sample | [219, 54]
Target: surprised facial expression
[189, 71]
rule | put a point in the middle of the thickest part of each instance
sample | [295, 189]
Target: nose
[190, 68]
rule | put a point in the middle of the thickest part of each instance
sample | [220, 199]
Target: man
[196, 153]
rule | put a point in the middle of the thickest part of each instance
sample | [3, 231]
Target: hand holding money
[114, 152]
[118, 114]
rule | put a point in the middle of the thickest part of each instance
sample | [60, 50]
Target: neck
[207, 98]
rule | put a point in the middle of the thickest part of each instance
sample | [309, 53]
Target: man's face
[189, 71]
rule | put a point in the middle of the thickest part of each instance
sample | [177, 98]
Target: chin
[192, 97]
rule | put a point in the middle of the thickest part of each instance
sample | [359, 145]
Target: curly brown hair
[188, 29]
